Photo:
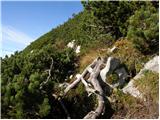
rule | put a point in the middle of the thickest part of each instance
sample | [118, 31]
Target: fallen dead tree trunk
[96, 82]
[100, 96]
[79, 77]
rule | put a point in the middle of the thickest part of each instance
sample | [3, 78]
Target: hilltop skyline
[29, 20]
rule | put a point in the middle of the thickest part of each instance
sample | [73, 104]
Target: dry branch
[93, 78]
[72, 85]
[96, 82]
[49, 75]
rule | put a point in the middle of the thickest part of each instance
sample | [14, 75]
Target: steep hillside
[33, 81]
[73, 29]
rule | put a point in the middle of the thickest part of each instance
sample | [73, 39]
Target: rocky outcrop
[78, 49]
[152, 65]
[122, 75]
[74, 46]
[71, 44]
[132, 90]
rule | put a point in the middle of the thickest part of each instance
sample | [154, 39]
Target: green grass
[128, 54]
[149, 85]
[126, 106]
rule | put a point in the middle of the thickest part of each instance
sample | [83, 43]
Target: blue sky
[23, 22]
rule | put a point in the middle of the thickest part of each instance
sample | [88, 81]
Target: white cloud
[9, 33]
[12, 40]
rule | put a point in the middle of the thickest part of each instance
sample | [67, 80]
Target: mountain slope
[30, 77]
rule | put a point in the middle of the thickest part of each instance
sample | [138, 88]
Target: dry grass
[149, 85]
[128, 54]
[128, 107]
[98, 49]
[125, 106]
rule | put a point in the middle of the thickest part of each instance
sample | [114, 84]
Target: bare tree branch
[49, 75]
[96, 82]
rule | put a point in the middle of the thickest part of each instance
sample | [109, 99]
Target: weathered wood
[95, 87]
[93, 78]
[49, 74]
[96, 82]
[72, 85]
[111, 65]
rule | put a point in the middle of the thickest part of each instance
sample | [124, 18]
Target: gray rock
[122, 75]
[78, 49]
[151, 65]
[132, 90]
